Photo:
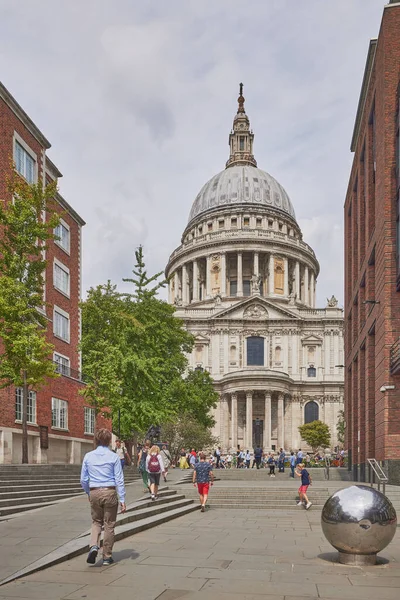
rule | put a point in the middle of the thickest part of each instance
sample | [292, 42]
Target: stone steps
[30, 494]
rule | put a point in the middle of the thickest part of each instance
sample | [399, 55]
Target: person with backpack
[154, 467]
[142, 465]
[271, 464]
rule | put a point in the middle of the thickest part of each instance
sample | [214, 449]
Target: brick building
[61, 426]
[372, 261]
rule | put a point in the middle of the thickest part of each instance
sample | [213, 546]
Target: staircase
[317, 474]
[27, 487]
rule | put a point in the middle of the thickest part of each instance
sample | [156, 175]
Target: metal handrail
[375, 470]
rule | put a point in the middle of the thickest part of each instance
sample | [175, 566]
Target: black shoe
[203, 508]
[108, 561]
[91, 559]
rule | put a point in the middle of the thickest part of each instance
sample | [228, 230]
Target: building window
[90, 417]
[200, 230]
[270, 223]
[61, 278]
[62, 234]
[234, 222]
[311, 412]
[241, 143]
[311, 372]
[59, 413]
[61, 324]
[255, 351]
[31, 406]
[246, 287]
[209, 226]
[24, 163]
[233, 288]
[258, 222]
[221, 224]
[246, 221]
[62, 364]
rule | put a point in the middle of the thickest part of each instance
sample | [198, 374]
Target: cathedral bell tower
[241, 137]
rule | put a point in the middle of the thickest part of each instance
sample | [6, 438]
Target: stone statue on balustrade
[332, 302]
[255, 284]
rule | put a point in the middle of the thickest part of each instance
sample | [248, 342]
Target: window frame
[261, 348]
[315, 407]
[28, 152]
[57, 405]
[64, 369]
[58, 242]
[62, 313]
[92, 419]
[58, 264]
[32, 398]
[311, 371]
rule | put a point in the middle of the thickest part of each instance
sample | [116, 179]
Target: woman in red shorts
[202, 474]
[305, 482]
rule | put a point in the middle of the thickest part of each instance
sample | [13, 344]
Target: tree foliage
[316, 434]
[27, 221]
[187, 433]
[135, 356]
[341, 427]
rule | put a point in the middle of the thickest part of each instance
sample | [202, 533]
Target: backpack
[154, 465]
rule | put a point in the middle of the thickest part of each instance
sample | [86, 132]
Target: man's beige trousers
[104, 508]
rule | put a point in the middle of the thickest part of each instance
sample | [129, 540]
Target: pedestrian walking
[292, 464]
[203, 476]
[103, 480]
[166, 456]
[271, 464]
[122, 452]
[192, 460]
[281, 460]
[183, 463]
[142, 457]
[217, 455]
[248, 459]
[305, 483]
[154, 467]
[299, 458]
[257, 456]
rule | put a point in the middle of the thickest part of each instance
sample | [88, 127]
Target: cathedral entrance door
[258, 433]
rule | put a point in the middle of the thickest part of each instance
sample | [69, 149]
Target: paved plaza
[220, 555]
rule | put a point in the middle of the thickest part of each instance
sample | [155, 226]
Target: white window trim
[66, 269]
[28, 150]
[33, 423]
[64, 314]
[55, 426]
[84, 420]
[65, 358]
[58, 243]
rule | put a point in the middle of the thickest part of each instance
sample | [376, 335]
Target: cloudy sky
[137, 98]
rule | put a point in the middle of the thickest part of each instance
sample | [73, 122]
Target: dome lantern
[241, 137]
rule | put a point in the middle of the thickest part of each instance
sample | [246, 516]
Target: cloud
[138, 100]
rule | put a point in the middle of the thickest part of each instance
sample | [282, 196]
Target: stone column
[176, 277]
[256, 267]
[249, 420]
[208, 277]
[234, 420]
[195, 281]
[306, 295]
[225, 422]
[312, 284]
[267, 422]
[239, 275]
[223, 274]
[297, 280]
[184, 285]
[286, 277]
[281, 423]
[271, 275]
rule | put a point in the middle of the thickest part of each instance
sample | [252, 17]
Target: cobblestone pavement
[220, 555]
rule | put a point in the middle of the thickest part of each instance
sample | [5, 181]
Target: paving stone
[259, 587]
[358, 592]
[37, 590]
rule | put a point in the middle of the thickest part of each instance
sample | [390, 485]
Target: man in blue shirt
[202, 473]
[102, 479]
[292, 464]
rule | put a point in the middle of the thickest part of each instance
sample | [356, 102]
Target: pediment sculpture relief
[255, 311]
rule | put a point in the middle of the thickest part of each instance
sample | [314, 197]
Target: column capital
[234, 395]
[249, 393]
[268, 394]
[281, 396]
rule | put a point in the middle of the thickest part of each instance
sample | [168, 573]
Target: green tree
[187, 433]
[341, 427]
[25, 358]
[316, 434]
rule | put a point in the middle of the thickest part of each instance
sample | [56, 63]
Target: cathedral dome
[241, 185]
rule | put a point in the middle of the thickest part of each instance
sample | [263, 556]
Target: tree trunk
[25, 392]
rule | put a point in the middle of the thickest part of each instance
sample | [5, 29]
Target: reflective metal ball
[358, 521]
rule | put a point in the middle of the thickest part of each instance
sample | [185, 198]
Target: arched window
[311, 372]
[278, 354]
[232, 353]
[311, 412]
[255, 351]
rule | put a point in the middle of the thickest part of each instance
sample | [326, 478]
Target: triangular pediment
[255, 308]
[201, 339]
[311, 340]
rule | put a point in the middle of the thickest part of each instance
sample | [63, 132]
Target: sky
[137, 99]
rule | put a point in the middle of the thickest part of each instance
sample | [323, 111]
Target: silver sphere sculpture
[359, 521]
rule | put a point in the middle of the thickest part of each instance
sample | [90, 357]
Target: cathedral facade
[244, 282]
